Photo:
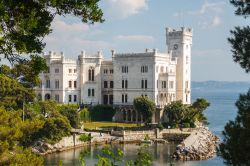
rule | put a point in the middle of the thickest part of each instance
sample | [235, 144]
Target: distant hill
[220, 86]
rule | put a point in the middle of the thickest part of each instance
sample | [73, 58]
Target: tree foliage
[179, 113]
[85, 115]
[13, 94]
[242, 7]
[24, 24]
[102, 113]
[236, 143]
[240, 39]
[13, 132]
[145, 106]
[240, 43]
[72, 115]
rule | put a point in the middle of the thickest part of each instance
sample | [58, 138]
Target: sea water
[221, 110]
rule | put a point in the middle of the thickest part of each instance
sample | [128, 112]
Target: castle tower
[180, 42]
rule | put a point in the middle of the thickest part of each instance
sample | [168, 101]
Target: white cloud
[209, 14]
[216, 21]
[137, 38]
[209, 7]
[71, 38]
[125, 8]
[60, 26]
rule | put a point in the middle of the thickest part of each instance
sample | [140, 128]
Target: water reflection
[160, 152]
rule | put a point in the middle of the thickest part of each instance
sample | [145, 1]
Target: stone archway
[134, 116]
[124, 114]
[129, 115]
[47, 96]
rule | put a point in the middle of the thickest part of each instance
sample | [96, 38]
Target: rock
[200, 145]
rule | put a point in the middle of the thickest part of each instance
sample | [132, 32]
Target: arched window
[91, 74]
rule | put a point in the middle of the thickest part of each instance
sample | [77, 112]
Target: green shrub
[72, 115]
[146, 138]
[85, 138]
[54, 129]
[160, 126]
[175, 125]
[102, 113]
[186, 125]
[85, 115]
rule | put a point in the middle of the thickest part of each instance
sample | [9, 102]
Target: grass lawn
[93, 125]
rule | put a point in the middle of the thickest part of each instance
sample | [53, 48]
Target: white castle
[163, 77]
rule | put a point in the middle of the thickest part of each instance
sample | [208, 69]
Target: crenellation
[91, 79]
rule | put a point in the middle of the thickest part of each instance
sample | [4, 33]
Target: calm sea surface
[221, 110]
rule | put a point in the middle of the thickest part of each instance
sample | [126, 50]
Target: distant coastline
[220, 86]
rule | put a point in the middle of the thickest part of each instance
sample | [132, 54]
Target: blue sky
[133, 25]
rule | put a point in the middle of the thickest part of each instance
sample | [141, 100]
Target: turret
[179, 42]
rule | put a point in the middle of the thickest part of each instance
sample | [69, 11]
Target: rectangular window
[164, 84]
[57, 98]
[70, 84]
[47, 83]
[75, 84]
[105, 84]
[56, 84]
[110, 99]
[111, 84]
[75, 98]
[122, 83]
[89, 92]
[111, 71]
[186, 85]
[124, 69]
[75, 70]
[93, 92]
[105, 99]
[105, 71]
[142, 84]
[126, 84]
[144, 69]
[146, 84]
[70, 70]
[70, 99]
[56, 70]
[126, 98]
[171, 84]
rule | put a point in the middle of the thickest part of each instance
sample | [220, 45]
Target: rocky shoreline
[114, 137]
[199, 145]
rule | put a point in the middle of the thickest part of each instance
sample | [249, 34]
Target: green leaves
[240, 43]
[243, 7]
[145, 106]
[179, 113]
[236, 143]
[24, 24]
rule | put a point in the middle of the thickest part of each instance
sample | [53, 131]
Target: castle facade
[163, 77]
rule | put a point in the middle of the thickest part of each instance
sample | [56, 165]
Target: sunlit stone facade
[163, 77]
